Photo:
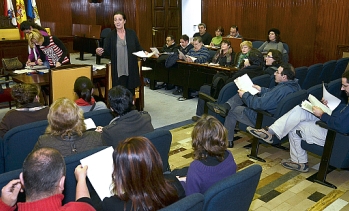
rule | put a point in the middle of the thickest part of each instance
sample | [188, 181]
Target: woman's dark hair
[221, 29]
[83, 88]
[277, 56]
[255, 57]
[25, 25]
[25, 93]
[138, 176]
[120, 13]
[120, 100]
[277, 35]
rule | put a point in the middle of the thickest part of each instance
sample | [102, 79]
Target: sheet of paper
[142, 54]
[99, 172]
[245, 83]
[154, 50]
[191, 57]
[306, 105]
[43, 70]
[22, 71]
[98, 67]
[332, 101]
[90, 124]
[181, 55]
[315, 102]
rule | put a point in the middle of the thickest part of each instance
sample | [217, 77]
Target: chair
[340, 68]
[301, 73]
[327, 71]
[316, 91]
[5, 95]
[194, 202]
[100, 42]
[162, 140]
[312, 77]
[70, 182]
[66, 74]
[257, 44]
[335, 142]
[235, 192]
[285, 56]
[19, 142]
[5, 178]
[139, 92]
[100, 117]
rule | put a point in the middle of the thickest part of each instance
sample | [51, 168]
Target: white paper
[332, 101]
[142, 54]
[43, 70]
[90, 124]
[245, 83]
[315, 102]
[155, 50]
[98, 67]
[99, 171]
[181, 55]
[213, 64]
[191, 57]
[22, 71]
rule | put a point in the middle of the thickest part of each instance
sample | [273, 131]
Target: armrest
[265, 113]
[206, 97]
[324, 125]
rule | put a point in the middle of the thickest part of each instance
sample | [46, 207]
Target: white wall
[191, 16]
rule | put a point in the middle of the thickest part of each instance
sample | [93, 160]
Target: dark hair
[25, 93]
[255, 57]
[227, 42]
[221, 29]
[277, 35]
[138, 176]
[277, 56]
[209, 137]
[42, 171]
[202, 24]
[25, 25]
[120, 100]
[346, 75]
[288, 70]
[170, 36]
[185, 37]
[120, 13]
[198, 38]
[235, 27]
[83, 88]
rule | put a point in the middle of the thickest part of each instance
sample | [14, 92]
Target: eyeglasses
[269, 57]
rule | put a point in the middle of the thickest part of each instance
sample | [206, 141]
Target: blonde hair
[246, 43]
[36, 35]
[65, 119]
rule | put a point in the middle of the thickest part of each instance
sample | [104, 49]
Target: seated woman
[240, 57]
[34, 54]
[138, 181]
[83, 87]
[66, 130]
[212, 161]
[216, 41]
[225, 56]
[273, 61]
[28, 108]
[51, 46]
[273, 42]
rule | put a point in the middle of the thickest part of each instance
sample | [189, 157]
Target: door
[166, 21]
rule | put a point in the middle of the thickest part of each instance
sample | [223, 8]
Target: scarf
[82, 102]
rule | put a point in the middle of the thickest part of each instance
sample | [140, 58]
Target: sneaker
[217, 108]
[301, 167]
[261, 134]
[177, 92]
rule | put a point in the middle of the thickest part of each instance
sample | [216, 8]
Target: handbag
[11, 63]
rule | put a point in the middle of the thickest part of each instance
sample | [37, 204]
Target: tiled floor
[279, 188]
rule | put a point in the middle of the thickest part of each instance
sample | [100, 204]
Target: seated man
[300, 124]
[43, 179]
[128, 121]
[200, 52]
[205, 36]
[234, 32]
[238, 107]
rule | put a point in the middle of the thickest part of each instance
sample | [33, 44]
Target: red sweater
[51, 203]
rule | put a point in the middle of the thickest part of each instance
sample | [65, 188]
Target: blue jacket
[339, 120]
[269, 98]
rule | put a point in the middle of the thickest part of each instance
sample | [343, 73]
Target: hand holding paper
[245, 83]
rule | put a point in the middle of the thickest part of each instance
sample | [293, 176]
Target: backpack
[218, 81]
[171, 60]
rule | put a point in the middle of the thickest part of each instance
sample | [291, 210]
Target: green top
[217, 40]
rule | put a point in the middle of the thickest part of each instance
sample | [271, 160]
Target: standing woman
[119, 46]
[51, 46]
[34, 54]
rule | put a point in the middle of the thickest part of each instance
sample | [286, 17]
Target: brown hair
[209, 137]
[138, 175]
[25, 93]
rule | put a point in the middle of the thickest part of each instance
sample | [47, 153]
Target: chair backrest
[7, 177]
[70, 182]
[285, 56]
[100, 117]
[19, 142]
[235, 192]
[257, 43]
[312, 77]
[327, 71]
[194, 202]
[234, 43]
[301, 73]
[316, 91]
[62, 80]
[162, 140]
[262, 80]
[340, 68]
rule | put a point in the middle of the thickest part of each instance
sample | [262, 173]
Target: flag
[9, 11]
[32, 11]
[20, 15]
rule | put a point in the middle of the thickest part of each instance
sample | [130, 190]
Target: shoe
[177, 92]
[219, 109]
[301, 167]
[261, 134]
[195, 118]
[230, 144]
[181, 98]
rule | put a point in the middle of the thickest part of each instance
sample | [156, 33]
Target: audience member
[273, 61]
[216, 41]
[240, 58]
[273, 42]
[299, 125]
[239, 107]
[234, 32]
[50, 46]
[43, 179]
[224, 56]
[137, 180]
[66, 130]
[28, 108]
[212, 161]
[83, 87]
[205, 36]
[170, 46]
[200, 52]
[34, 54]
[128, 121]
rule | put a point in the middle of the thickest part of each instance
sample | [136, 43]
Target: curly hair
[25, 93]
